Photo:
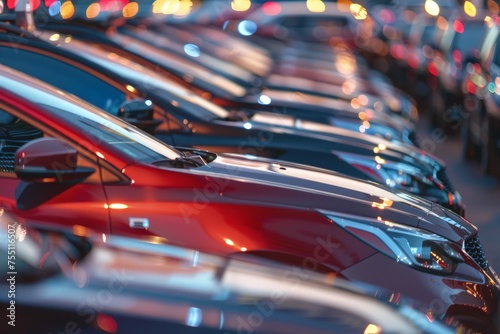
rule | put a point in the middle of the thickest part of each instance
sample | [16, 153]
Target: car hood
[329, 124]
[344, 142]
[273, 182]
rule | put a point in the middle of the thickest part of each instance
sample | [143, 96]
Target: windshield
[94, 122]
[189, 70]
[220, 44]
[202, 57]
[137, 73]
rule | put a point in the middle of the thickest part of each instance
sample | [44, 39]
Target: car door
[62, 203]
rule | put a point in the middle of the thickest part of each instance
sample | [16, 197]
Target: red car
[64, 161]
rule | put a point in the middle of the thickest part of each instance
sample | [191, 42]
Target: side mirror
[49, 160]
[139, 112]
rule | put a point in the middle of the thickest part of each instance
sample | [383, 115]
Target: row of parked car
[450, 64]
[187, 177]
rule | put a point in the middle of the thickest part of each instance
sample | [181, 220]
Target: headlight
[412, 246]
[394, 175]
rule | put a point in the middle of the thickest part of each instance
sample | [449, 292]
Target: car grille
[6, 163]
[474, 248]
[12, 137]
[7, 155]
[442, 176]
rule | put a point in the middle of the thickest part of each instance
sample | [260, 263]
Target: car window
[62, 75]
[190, 70]
[149, 79]
[192, 53]
[6, 118]
[96, 123]
[14, 133]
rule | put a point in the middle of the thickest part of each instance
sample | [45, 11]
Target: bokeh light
[241, 5]
[442, 23]
[359, 12]
[185, 7]
[112, 5]
[35, 4]
[11, 4]
[67, 10]
[493, 7]
[315, 6]
[470, 9]
[431, 7]
[130, 10]
[344, 5]
[458, 26]
[166, 7]
[247, 28]
[54, 7]
[93, 10]
[271, 8]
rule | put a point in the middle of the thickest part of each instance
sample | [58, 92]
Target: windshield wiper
[193, 160]
[183, 161]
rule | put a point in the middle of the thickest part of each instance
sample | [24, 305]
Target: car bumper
[468, 295]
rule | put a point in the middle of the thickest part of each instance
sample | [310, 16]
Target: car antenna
[24, 15]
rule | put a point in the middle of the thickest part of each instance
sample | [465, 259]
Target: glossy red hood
[277, 183]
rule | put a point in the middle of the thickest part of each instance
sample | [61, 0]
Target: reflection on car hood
[344, 140]
[334, 124]
[316, 188]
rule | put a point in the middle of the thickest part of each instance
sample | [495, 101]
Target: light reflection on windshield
[138, 73]
[228, 69]
[178, 64]
[101, 125]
